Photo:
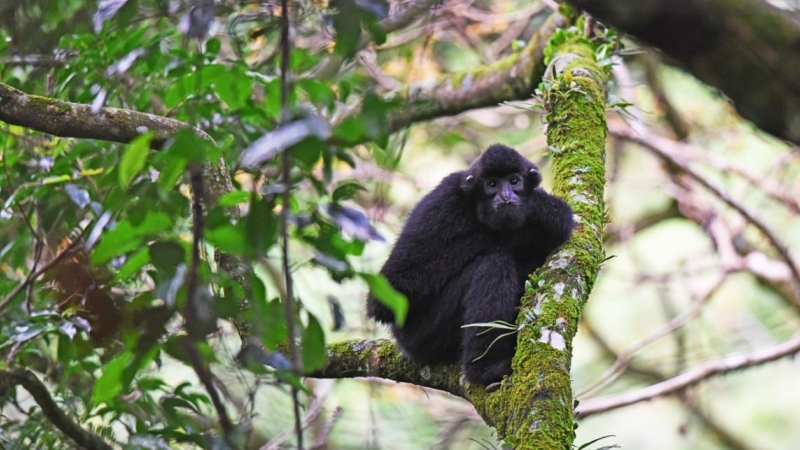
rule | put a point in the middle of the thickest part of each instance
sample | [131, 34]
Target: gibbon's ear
[468, 182]
[533, 178]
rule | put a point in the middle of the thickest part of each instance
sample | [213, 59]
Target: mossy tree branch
[512, 78]
[533, 408]
[381, 358]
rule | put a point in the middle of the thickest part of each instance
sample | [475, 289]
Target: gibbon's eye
[491, 184]
[514, 181]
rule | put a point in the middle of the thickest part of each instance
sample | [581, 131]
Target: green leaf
[307, 152]
[213, 46]
[313, 345]
[189, 145]
[234, 198]
[132, 265]
[347, 190]
[109, 385]
[269, 315]
[233, 87]
[231, 239]
[166, 256]
[261, 224]
[318, 92]
[134, 158]
[125, 237]
[383, 291]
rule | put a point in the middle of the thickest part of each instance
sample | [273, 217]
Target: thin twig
[312, 413]
[286, 161]
[624, 357]
[37, 273]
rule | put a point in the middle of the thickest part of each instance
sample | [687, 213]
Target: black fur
[461, 261]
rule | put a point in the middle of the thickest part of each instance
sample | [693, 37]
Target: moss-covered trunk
[533, 408]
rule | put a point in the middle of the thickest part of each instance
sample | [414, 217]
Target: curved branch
[512, 78]
[691, 377]
[666, 149]
[37, 389]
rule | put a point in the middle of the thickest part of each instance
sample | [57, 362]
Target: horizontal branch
[40, 394]
[691, 377]
[381, 358]
[78, 120]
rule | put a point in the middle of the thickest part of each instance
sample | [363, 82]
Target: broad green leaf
[132, 265]
[313, 345]
[386, 294]
[234, 88]
[166, 256]
[109, 385]
[134, 158]
[125, 237]
[234, 198]
[261, 224]
[230, 239]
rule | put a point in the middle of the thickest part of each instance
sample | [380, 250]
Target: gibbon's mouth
[505, 205]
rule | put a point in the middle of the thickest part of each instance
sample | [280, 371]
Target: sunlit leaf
[278, 140]
[110, 384]
[134, 158]
[234, 198]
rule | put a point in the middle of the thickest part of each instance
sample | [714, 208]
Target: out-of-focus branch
[747, 49]
[679, 126]
[689, 378]
[678, 322]
[512, 78]
[686, 398]
[400, 19]
[672, 151]
[10, 378]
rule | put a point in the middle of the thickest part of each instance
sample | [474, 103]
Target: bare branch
[678, 322]
[691, 377]
[670, 151]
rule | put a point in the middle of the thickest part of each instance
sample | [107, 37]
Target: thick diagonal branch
[10, 378]
[747, 49]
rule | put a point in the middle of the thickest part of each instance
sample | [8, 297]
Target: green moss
[533, 408]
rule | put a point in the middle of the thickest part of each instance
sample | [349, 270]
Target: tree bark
[748, 49]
